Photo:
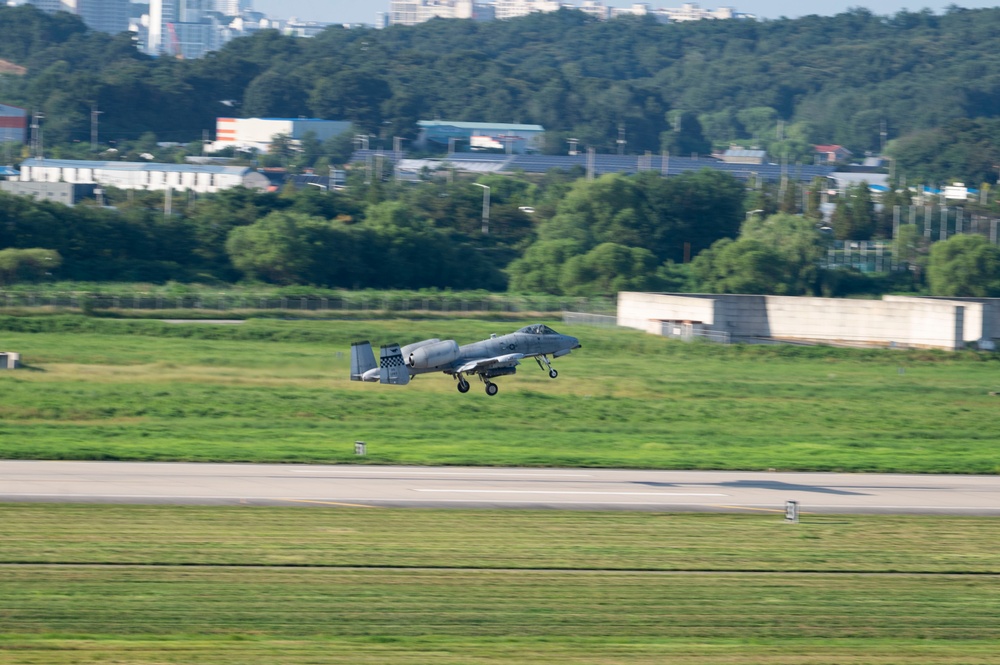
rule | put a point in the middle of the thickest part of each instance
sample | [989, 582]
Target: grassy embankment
[154, 584]
[278, 391]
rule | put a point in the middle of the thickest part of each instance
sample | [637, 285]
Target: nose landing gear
[552, 372]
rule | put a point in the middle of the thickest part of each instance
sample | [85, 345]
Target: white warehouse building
[201, 178]
[258, 133]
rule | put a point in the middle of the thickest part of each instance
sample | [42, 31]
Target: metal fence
[932, 223]
[676, 330]
[307, 303]
[688, 332]
[583, 318]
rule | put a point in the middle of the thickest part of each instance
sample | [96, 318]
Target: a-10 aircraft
[493, 357]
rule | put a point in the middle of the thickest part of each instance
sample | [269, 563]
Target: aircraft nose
[576, 343]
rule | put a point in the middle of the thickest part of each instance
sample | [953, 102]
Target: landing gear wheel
[491, 389]
[463, 386]
[553, 374]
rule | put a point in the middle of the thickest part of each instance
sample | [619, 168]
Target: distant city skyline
[350, 11]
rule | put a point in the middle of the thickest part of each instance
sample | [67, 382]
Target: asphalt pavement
[491, 487]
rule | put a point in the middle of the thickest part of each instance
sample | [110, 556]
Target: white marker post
[359, 448]
[792, 511]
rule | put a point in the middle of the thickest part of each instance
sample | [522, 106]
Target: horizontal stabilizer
[392, 369]
[362, 361]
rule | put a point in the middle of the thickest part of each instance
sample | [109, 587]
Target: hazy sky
[353, 11]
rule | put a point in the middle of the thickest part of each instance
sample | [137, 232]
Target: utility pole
[621, 139]
[590, 163]
[486, 207]
[94, 113]
[36, 134]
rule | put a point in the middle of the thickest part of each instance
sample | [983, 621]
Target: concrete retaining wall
[894, 321]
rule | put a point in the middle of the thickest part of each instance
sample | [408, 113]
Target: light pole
[486, 207]
[94, 113]
[751, 213]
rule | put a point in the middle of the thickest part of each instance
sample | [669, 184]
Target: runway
[485, 487]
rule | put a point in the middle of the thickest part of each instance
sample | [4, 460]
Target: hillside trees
[840, 79]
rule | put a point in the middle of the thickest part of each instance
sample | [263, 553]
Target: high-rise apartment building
[182, 28]
[103, 15]
[412, 12]
[515, 8]
[232, 7]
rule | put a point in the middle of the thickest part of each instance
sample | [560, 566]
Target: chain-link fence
[306, 303]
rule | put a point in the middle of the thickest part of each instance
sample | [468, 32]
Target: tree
[275, 94]
[798, 243]
[854, 216]
[608, 269]
[739, 266]
[686, 138]
[274, 249]
[540, 269]
[964, 266]
[27, 264]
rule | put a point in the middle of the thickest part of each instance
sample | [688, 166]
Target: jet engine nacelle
[410, 348]
[434, 355]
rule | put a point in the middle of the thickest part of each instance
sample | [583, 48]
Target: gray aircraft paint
[497, 356]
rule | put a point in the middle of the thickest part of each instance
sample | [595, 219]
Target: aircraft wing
[479, 364]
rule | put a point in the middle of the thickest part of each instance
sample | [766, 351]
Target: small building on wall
[201, 178]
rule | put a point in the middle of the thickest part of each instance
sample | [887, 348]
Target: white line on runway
[450, 473]
[568, 492]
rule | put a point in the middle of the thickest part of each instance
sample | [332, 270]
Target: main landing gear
[552, 372]
[491, 388]
[463, 385]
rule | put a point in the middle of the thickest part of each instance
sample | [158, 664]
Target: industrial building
[13, 124]
[514, 139]
[201, 178]
[258, 133]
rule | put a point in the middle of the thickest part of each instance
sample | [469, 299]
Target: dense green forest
[929, 82]
[698, 232]
[926, 83]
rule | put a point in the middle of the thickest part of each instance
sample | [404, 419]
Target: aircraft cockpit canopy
[538, 329]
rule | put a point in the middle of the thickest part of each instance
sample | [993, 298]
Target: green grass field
[278, 391]
[155, 584]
